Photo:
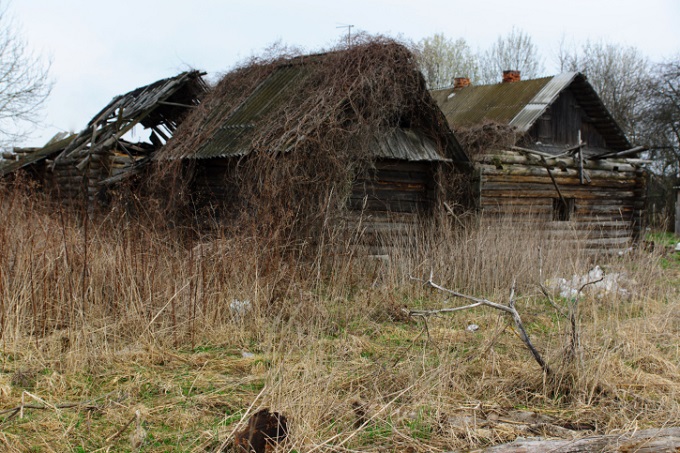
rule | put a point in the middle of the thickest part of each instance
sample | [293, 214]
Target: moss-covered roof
[520, 104]
[475, 104]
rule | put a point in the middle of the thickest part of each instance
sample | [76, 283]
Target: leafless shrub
[487, 136]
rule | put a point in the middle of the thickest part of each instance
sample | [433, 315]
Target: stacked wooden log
[605, 197]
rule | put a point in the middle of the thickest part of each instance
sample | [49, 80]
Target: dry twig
[478, 302]
[18, 410]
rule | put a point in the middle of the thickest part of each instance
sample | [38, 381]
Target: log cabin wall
[76, 186]
[394, 186]
[388, 202]
[68, 183]
[390, 186]
[603, 214]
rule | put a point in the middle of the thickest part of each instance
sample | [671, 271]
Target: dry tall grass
[127, 316]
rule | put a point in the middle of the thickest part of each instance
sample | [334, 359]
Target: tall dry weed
[325, 324]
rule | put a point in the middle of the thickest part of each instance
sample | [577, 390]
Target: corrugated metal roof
[233, 138]
[500, 102]
[528, 115]
[521, 103]
[236, 130]
[406, 144]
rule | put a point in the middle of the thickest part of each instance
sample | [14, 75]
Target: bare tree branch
[515, 51]
[24, 82]
[442, 59]
[618, 73]
[509, 309]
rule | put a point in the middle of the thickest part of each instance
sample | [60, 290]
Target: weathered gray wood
[530, 183]
[567, 162]
[519, 192]
[663, 440]
[628, 152]
[523, 170]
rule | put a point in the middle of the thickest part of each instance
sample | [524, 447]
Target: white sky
[102, 49]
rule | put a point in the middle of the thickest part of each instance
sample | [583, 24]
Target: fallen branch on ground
[13, 412]
[647, 440]
[478, 302]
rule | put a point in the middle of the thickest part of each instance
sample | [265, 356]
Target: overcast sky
[102, 49]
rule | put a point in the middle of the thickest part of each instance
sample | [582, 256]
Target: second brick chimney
[511, 76]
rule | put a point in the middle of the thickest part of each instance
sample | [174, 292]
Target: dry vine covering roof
[369, 97]
[520, 104]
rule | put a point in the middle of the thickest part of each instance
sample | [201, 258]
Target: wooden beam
[627, 152]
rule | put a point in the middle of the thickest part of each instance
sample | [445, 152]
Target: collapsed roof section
[25, 157]
[159, 108]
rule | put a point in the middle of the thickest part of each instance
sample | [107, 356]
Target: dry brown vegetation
[489, 135]
[297, 154]
[121, 335]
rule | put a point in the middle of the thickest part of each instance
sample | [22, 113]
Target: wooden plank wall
[608, 210]
[562, 121]
[388, 203]
[391, 186]
[394, 186]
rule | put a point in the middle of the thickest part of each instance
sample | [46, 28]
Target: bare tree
[659, 127]
[515, 51]
[620, 75]
[441, 59]
[24, 82]
[660, 123]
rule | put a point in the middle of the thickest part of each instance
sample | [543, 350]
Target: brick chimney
[511, 76]
[461, 82]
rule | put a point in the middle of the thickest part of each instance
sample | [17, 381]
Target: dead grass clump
[120, 315]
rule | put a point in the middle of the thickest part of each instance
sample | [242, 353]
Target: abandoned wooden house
[80, 168]
[547, 151]
[355, 129]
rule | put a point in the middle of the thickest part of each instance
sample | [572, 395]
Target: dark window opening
[563, 209]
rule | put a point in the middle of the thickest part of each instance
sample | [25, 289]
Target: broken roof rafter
[158, 106]
[124, 112]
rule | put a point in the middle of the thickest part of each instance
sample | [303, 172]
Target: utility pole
[349, 33]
